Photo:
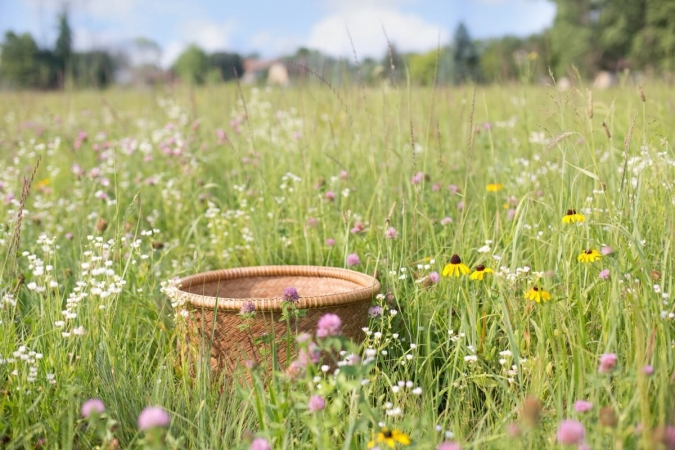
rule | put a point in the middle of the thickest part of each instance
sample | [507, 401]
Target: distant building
[271, 71]
[277, 74]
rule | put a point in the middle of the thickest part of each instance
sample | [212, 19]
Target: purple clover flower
[374, 311]
[247, 307]
[291, 295]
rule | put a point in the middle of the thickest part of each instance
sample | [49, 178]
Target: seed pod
[642, 94]
[532, 411]
[590, 104]
[607, 417]
[101, 225]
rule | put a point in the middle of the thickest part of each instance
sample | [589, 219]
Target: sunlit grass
[488, 175]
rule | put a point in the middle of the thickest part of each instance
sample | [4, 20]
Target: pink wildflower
[571, 432]
[449, 446]
[328, 325]
[316, 403]
[93, 406]
[153, 417]
[353, 259]
[607, 363]
[260, 444]
[582, 406]
[359, 227]
[417, 178]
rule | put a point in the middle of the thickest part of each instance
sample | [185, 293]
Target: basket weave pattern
[214, 301]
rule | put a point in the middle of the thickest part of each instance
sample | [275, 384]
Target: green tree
[23, 65]
[572, 38]
[93, 69]
[654, 45]
[192, 65]
[465, 56]
[63, 50]
[226, 65]
[618, 23]
[423, 68]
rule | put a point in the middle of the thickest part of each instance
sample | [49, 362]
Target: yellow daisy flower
[589, 256]
[390, 437]
[573, 216]
[455, 267]
[537, 294]
[480, 272]
[494, 187]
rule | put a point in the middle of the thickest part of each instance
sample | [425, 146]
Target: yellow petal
[402, 438]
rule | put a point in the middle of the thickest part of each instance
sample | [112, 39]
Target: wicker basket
[214, 300]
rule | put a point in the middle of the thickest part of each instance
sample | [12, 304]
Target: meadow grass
[136, 188]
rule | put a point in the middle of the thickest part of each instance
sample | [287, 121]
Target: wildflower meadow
[522, 236]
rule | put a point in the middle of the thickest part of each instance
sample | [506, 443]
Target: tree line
[587, 36]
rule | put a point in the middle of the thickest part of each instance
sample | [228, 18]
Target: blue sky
[276, 27]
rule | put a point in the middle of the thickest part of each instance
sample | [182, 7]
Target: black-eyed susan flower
[589, 256]
[573, 216]
[537, 294]
[480, 272]
[455, 267]
[494, 187]
[390, 437]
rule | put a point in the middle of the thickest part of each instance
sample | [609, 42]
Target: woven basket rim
[370, 287]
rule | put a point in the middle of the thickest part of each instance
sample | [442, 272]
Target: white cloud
[350, 5]
[85, 39]
[170, 53]
[407, 31]
[272, 44]
[95, 8]
[208, 35]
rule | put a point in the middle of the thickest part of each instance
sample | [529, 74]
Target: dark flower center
[480, 268]
[588, 252]
[571, 212]
[535, 289]
[455, 260]
[387, 433]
